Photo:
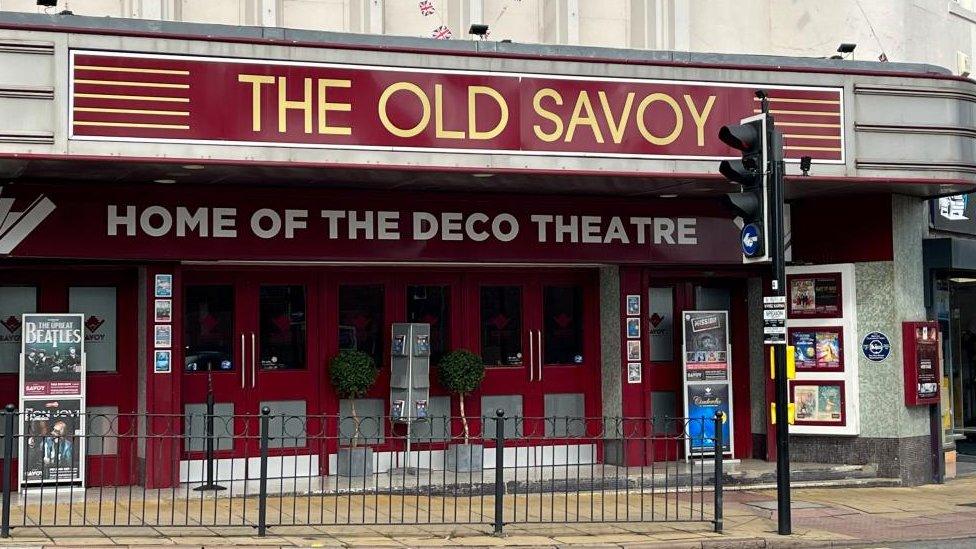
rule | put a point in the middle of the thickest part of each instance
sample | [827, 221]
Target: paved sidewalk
[838, 517]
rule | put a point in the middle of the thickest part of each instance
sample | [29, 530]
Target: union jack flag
[441, 33]
[426, 7]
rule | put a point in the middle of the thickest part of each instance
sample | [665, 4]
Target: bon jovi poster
[52, 441]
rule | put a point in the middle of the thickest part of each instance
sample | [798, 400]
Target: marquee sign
[208, 224]
[209, 100]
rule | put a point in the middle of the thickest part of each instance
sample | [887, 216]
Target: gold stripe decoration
[802, 113]
[133, 97]
[803, 136]
[132, 125]
[131, 70]
[132, 111]
[794, 100]
[798, 148]
[128, 83]
[807, 125]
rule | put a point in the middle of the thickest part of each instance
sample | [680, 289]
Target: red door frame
[102, 388]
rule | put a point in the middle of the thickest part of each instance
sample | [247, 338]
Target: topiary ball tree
[461, 372]
[353, 374]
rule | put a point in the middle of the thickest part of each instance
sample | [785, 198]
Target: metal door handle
[531, 358]
[253, 361]
[539, 333]
[243, 360]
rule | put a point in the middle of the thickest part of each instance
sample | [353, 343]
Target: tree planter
[355, 462]
[464, 458]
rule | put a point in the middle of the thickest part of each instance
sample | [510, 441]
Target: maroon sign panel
[308, 224]
[121, 96]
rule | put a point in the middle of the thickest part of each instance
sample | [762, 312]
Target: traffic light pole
[778, 256]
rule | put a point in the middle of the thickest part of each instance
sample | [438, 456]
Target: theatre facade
[235, 206]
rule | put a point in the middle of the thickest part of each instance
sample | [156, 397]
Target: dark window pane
[562, 308]
[361, 320]
[501, 325]
[282, 337]
[208, 328]
[432, 305]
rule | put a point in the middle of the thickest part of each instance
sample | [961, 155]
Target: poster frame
[794, 383]
[727, 382]
[22, 483]
[837, 278]
[838, 330]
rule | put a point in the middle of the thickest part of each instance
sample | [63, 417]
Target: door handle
[243, 360]
[531, 358]
[539, 333]
[253, 361]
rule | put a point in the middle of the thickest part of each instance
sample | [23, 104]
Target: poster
[164, 285]
[927, 356]
[703, 401]
[163, 336]
[633, 372]
[633, 328]
[815, 296]
[706, 350]
[164, 310]
[163, 362]
[817, 348]
[818, 403]
[633, 349]
[52, 354]
[53, 441]
[633, 305]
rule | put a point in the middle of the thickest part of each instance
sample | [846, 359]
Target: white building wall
[941, 32]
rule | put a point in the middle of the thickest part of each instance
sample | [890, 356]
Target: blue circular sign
[876, 346]
[749, 238]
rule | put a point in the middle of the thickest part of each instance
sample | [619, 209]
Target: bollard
[8, 456]
[209, 443]
[718, 471]
[499, 471]
[263, 482]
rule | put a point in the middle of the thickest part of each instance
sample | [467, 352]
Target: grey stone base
[908, 459]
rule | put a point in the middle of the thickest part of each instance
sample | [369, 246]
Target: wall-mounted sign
[815, 295]
[219, 100]
[954, 213]
[921, 362]
[818, 402]
[818, 348]
[876, 346]
[200, 223]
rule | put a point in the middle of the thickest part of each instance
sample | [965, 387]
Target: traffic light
[751, 203]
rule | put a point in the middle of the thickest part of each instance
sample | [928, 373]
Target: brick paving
[838, 517]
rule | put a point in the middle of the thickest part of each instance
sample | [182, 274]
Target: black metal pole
[8, 456]
[778, 256]
[209, 448]
[499, 471]
[263, 481]
[719, 456]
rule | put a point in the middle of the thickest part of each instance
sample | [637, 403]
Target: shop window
[432, 305]
[283, 328]
[14, 302]
[712, 299]
[660, 323]
[208, 328]
[562, 310]
[98, 304]
[501, 325]
[361, 319]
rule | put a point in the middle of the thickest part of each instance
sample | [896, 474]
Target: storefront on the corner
[232, 216]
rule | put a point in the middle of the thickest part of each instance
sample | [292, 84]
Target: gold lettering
[473, 131]
[700, 117]
[284, 105]
[325, 106]
[617, 127]
[385, 117]
[678, 119]
[439, 130]
[557, 122]
[583, 103]
[256, 80]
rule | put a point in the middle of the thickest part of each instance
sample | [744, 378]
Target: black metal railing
[270, 470]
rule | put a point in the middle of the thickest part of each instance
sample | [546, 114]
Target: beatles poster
[53, 441]
[706, 350]
[52, 350]
[704, 400]
[52, 385]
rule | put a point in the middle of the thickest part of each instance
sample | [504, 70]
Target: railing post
[718, 470]
[263, 481]
[8, 456]
[499, 471]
